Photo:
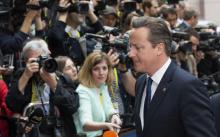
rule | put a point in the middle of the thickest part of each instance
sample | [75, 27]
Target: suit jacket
[183, 26]
[180, 107]
[215, 101]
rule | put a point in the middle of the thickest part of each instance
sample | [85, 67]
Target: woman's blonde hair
[85, 74]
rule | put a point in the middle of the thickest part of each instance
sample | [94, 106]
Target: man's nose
[131, 53]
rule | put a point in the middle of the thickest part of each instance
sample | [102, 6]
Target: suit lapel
[160, 93]
[139, 89]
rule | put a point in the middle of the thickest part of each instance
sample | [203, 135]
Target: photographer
[190, 20]
[63, 37]
[28, 85]
[150, 8]
[11, 43]
[109, 17]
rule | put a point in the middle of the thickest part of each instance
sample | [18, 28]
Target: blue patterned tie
[148, 95]
[147, 100]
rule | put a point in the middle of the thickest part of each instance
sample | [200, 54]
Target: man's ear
[160, 48]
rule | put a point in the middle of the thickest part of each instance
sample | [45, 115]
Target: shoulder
[183, 75]
[67, 82]
[83, 89]
[215, 98]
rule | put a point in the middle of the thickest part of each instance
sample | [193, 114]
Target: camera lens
[50, 65]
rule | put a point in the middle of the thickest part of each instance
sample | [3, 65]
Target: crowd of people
[115, 65]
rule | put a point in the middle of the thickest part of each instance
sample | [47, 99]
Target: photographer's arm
[15, 99]
[93, 18]
[57, 34]
[13, 43]
[30, 16]
[31, 67]
[129, 81]
[40, 25]
[62, 16]
[49, 78]
[39, 22]
[94, 24]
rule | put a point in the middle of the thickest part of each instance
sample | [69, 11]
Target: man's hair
[159, 32]
[147, 4]
[166, 11]
[193, 32]
[85, 74]
[189, 13]
[35, 44]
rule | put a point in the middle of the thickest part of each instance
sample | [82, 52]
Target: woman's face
[70, 69]
[100, 73]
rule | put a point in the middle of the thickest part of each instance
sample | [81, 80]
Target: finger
[33, 66]
[116, 126]
[31, 60]
[110, 52]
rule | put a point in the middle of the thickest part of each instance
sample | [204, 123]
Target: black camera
[179, 35]
[173, 1]
[21, 5]
[112, 2]
[49, 64]
[78, 7]
[83, 8]
[120, 44]
[101, 5]
[129, 6]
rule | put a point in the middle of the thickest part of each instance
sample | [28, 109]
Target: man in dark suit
[169, 101]
[190, 20]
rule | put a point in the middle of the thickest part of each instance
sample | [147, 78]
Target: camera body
[119, 44]
[129, 6]
[49, 64]
[82, 8]
[78, 7]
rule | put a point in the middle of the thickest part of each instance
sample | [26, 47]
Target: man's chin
[139, 69]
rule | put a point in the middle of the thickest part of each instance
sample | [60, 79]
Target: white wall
[208, 9]
[212, 10]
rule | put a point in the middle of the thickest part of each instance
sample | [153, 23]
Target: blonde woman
[96, 112]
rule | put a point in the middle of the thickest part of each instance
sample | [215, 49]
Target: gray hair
[35, 44]
[189, 13]
[159, 32]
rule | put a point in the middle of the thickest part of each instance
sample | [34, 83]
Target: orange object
[110, 134]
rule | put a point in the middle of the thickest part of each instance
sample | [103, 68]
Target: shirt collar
[157, 76]
[187, 24]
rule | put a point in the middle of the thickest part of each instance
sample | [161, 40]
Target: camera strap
[41, 99]
[33, 7]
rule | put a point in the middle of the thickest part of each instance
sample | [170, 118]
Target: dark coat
[180, 107]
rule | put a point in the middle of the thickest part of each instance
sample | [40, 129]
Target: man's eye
[138, 48]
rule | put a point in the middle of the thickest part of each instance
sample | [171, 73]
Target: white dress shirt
[157, 76]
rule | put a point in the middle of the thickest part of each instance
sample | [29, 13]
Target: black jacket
[12, 43]
[60, 43]
[65, 98]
